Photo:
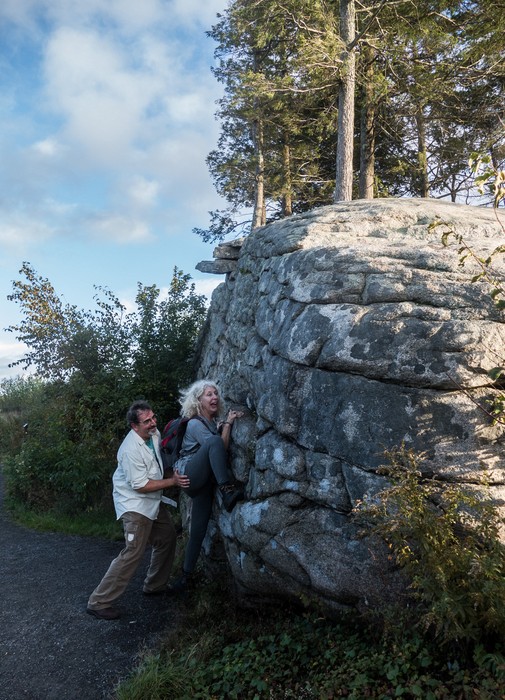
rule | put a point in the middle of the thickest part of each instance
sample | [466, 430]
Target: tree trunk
[454, 189]
[345, 135]
[367, 131]
[259, 211]
[422, 153]
[287, 199]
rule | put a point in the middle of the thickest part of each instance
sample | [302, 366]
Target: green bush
[447, 540]
[62, 460]
[94, 364]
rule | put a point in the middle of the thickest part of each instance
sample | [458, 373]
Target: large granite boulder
[342, 333]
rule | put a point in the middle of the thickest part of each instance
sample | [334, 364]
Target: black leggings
[205, 468]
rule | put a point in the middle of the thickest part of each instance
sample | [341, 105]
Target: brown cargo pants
[139, 531]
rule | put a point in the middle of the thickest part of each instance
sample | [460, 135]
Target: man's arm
[159, 484]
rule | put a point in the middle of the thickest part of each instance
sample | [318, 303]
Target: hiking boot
[230, 495]
[157, 592]
[104, 613]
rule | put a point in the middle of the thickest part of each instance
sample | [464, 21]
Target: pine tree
[278, 62]
[425, 80]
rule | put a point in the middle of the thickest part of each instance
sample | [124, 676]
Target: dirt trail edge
[50, 649]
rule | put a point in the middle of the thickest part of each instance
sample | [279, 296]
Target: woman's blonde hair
[190, 398]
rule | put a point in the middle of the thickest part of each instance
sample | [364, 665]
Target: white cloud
[120, 229]
[114, 97]
[197, 12]
[18, 232]
[101, 98]
[169, 20]
[47, 147]
[184, 109]
[136, 115]
[9, 353]
[12, 349]
[127, 15]
[25, 228]
[20, 12]
[207, 285]
[182, 160]
[54, 208]
[143, 192]
[132, 15]
[129, 303]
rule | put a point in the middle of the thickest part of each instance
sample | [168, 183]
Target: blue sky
[106, 118]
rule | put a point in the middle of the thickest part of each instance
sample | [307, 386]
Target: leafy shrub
[219, 652]
[447, 539]
[64, 458]
[94, 366]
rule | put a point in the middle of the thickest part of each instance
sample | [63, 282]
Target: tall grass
[93, 523]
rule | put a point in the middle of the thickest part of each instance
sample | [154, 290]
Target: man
[139, 502]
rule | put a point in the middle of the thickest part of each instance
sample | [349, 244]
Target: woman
[203, 458]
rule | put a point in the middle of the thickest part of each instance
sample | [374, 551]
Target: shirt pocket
[153, 470]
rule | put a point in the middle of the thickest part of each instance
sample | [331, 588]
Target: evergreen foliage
[428, 92]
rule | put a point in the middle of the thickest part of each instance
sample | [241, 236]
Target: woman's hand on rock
[232, 415]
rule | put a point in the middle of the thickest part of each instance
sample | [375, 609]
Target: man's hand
[181, 480]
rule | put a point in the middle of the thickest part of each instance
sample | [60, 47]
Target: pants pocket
[131, 534]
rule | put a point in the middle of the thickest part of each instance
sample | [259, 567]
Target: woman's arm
[227, 425]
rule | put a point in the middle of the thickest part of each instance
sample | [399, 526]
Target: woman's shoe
[181, 584]
[230, 495]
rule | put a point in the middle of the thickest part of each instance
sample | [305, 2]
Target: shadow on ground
[50, 649]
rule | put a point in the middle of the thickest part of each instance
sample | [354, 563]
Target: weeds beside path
[50, 649]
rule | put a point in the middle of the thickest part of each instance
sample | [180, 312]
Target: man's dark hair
[132, 415]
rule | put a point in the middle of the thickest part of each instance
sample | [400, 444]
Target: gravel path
[50, 649]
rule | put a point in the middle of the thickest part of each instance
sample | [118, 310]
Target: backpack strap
[211, 426]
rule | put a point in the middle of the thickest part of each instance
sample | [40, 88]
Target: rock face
[344, 332]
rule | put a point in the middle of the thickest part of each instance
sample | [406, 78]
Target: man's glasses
[152, 419]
